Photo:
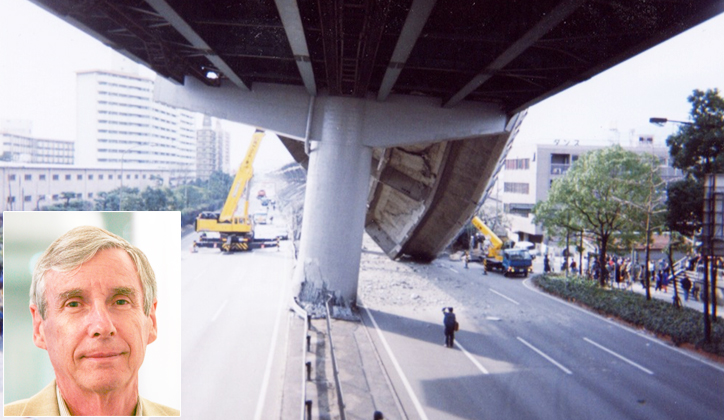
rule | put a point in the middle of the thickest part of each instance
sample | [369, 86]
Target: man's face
[95, 330]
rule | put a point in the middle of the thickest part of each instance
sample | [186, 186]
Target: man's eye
[73, 304]
[122, 302]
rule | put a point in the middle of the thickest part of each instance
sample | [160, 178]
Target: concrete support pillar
[338, 179]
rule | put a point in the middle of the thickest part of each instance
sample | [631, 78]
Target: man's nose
[100, 323]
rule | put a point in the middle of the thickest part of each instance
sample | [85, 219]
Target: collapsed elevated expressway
[401, 111]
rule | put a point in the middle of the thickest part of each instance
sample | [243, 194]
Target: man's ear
[153, 332]
[38, 328]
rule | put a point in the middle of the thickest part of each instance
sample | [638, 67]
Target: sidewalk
[668, 296]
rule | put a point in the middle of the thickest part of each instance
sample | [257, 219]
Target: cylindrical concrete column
[338, 179]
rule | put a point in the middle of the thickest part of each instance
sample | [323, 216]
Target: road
[524, 355]
[235, 327]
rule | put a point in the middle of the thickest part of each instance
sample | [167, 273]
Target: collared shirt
[66, 413]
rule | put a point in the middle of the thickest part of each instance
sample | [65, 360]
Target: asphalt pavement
[525, 355]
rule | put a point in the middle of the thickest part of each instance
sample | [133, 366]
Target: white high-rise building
[120, 126]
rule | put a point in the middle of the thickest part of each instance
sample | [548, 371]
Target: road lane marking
[503, 296]
[270, 360]
[475, 362]
[625, 328]
[453, 270]
[550, 359]
[405, 382]
[216, 315]
[630, 362]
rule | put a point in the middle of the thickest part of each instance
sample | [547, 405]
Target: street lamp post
[706, 245]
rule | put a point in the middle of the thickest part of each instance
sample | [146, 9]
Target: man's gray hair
[78, 246]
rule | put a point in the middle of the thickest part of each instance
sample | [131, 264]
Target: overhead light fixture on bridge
[212, 75]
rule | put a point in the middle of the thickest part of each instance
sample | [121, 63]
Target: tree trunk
[677, 301]
[568, 235]
[602, 261]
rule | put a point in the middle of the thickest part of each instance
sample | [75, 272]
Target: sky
[40, 55]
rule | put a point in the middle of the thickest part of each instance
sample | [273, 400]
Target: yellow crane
[236, 231]
[501, 255]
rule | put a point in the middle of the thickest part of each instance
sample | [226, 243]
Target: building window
[144, 176]
[128, 176]
[55, 197]
[28, 177]
[516, 187]
[11, 177]
[517, 164]
[100, 177]
[110, 176]
[28, 198]
[560, 163]
[80, 177]
[90, 177]
[136, 176]
[90, 195]
[42, 177]
[41, 197]
[67, 177]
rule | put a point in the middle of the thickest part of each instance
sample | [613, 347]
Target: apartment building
[119, 125]
[212, 149]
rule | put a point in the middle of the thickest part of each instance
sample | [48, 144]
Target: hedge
[683, 325]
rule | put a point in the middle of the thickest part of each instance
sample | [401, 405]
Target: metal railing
[306, 411]
[340, 399]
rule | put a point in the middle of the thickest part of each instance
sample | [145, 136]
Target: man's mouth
[101, 355]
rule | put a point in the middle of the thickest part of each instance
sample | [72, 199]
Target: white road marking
[270, 360]
[631, 330]
[632, 363]
[475, 362]
[454, 270]
[405, 382]
[216, 315]
[550, 359]
[503, 296]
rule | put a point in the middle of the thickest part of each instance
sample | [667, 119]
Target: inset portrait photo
[92, 313]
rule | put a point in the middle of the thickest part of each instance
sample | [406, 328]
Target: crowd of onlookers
[622, 272]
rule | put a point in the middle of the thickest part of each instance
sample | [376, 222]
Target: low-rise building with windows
[528, 173]
[31, 187]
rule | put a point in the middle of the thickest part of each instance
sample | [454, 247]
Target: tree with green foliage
[698, 149]
[559, 221]
[592, 196]
[157, 199]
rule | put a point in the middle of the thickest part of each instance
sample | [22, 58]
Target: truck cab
[516, 261]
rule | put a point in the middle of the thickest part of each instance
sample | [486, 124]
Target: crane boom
[235, 229]
[485, 230]
[241, 181]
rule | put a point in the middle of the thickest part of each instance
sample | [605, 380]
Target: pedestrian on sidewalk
[686, 285]
[665, 281]
[659, 279]
[546, 264]
[450, 324]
